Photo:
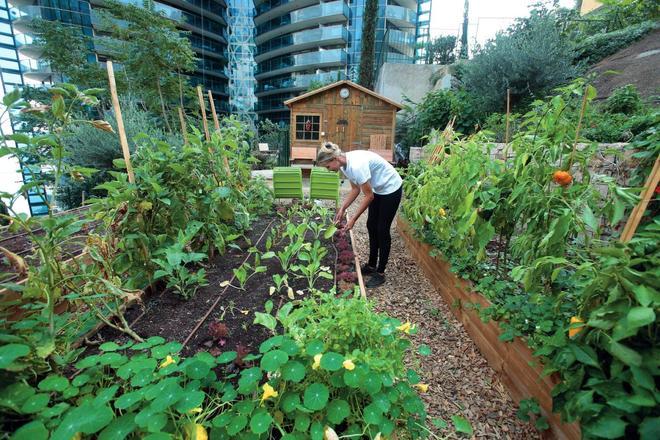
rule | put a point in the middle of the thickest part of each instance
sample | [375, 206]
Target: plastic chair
[287, 183]
[324, 184]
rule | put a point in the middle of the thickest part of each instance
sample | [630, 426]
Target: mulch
[460, 380]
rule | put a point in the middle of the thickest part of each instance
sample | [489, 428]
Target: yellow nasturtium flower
[195, 410]
[269, 392]
[195, 431]
[348, 364]
[168, 361]
[405, 327]
[422, 387]
[442, 212]
[317, 362]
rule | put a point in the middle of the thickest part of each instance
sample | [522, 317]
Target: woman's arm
[350, 198]
[366, 201]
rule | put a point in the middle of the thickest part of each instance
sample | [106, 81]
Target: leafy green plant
[246, 271]
[338, 366]
[176, 259]
[531, 406]
[309, 263]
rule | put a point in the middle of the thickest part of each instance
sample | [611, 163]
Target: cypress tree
[368, 44]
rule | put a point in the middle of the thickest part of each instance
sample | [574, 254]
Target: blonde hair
[328, 152]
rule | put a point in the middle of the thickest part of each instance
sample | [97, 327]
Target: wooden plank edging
[514, 362]
[358, 269]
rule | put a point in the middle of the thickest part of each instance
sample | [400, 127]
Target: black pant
[381, 215]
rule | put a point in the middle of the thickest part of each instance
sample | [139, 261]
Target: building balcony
[304, 61]
[410, 4]
[312, 16]
[402, 42]
[296, 83]
[301, 41]
[274, 8]
[26, 46]
[401, 17]
[36, 70]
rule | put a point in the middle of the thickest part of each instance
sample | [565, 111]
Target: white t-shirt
[366, 166]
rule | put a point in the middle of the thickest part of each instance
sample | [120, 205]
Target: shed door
[344, 126]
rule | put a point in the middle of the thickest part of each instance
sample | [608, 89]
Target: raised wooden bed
[518, 368]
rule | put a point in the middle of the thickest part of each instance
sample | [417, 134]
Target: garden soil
[460, 380]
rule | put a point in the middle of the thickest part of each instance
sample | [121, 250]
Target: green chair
[287, 183]
[324, 184]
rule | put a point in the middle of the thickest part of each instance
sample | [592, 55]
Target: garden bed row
[518, 368]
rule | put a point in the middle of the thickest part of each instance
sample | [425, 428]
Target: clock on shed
[344, 92]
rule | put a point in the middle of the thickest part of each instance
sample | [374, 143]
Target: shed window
[308, 127]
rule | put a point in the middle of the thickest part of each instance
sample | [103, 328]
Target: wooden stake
[184, 132]
[215, 115]
[202, 107]
[216, 122]
[579, 126]
[508, 112]
[120, 122]
[638, 211]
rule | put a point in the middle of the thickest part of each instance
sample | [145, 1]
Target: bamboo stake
[120, 122]
[183, 126]
[202, 107]
[216, 122]
[579, 126]
[215, 115]
[508, 113]
[638, 211]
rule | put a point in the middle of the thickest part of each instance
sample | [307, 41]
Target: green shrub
[626, 100]
[594, 48]
[530, 59]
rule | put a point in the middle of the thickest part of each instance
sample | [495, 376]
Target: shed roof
[339, 84]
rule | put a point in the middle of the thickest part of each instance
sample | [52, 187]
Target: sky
[486, 17]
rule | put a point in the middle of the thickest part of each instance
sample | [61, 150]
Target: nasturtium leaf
[301, 422]
[424, 350]
[151, 342]
[372, 414]
[293, 371]
[168, 397]
[260, 421]
[54, 382]
[158, 436]
[226, 357]
[314, 347]
[237, 424]
[354, 378]
[289, 402]
[14, 395]
[34, 430]
[332, 361]
[250, 376]
[289, 346]
[128, 399]
[109, 346]
[229, 394]
[413, 377]
[439, 423]
[112, 359]
[80, 380]
[142, 378]
[10, 352]
[316, 396]
[157, 422]
[338, 410]
[35, 403]
[273, 360]
[119, 428]
[372, 383]
[382, 401]
[54, 411]
[222, 420]
[270, 343]
[87, 362]
[316, 431]
[190, 400]
[462, 425]
[386, 427]
[197, 370]
[161, 351]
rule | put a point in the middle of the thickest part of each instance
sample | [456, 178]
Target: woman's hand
[349, 225]
[339, 216]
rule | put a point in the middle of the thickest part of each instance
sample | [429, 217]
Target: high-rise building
[204, 20]
[242, 48]
[305, 42]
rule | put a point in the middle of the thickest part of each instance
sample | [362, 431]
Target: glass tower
[241, 59]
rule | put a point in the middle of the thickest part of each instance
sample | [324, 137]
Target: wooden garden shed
[352, 116]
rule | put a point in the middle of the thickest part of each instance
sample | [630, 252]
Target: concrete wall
[412, 81]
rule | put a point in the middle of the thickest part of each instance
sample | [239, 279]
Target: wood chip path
[460, 380]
